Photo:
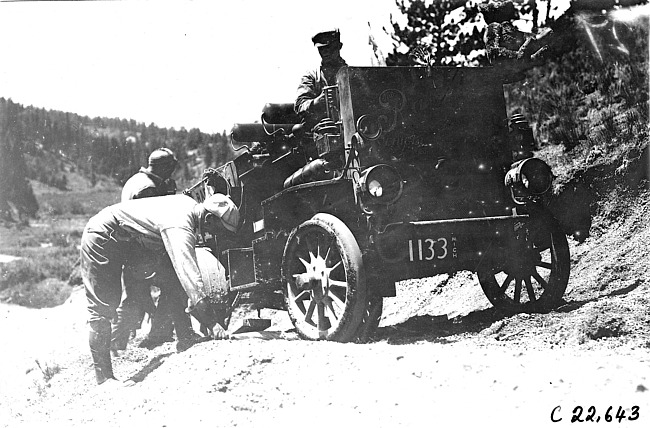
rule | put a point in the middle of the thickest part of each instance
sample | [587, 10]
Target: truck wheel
[215, 285]
[325, 288]
[535, 278]
[371, 318]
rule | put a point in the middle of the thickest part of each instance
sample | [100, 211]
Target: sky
[192, 64]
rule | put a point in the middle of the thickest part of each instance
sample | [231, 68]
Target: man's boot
[100, 341]
[185, 334]
[162, 327]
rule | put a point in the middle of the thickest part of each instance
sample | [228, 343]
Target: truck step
[253, 324]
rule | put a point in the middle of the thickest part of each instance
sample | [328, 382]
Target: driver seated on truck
[167, 224]
[310, 98]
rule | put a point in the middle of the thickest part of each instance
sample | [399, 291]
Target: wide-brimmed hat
[224, 208]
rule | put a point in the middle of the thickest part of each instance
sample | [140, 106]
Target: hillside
[50, 147]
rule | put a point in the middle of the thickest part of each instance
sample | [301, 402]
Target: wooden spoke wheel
[536, 276]
[325, 289]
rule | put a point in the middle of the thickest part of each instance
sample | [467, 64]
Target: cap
[326, 38]
[224, 208]
[161, 156]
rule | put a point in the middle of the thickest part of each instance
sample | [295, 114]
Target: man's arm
[309, 96]
[179, 243]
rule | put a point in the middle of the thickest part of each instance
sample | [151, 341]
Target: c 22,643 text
[592, 414]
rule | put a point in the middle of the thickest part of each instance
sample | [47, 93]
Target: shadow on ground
[155, 362]
[439, 328]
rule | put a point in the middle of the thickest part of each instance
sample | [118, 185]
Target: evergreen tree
[441, 32]
[14, 188]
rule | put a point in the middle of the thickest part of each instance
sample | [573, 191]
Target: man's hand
[205, 313]
[319, 100]
[218, 332]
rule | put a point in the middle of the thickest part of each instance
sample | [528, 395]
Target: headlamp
[381, 184]
[529, 177]
[369, 127]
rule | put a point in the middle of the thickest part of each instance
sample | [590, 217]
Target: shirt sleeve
[147, 192]
[305, 94]
[179, 243]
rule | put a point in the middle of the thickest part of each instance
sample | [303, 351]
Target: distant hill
[48, 145]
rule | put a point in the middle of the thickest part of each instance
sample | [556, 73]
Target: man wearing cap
[155, 180]
[512, 50]
[155, 225]
[310, 99]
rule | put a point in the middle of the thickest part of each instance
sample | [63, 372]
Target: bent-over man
[155, 225]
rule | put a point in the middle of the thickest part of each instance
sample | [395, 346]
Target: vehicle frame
[413, 172]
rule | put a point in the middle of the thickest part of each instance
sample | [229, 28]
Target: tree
[14, 188]
[443, 32]
[450, 32]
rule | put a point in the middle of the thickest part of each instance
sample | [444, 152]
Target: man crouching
[156, 225]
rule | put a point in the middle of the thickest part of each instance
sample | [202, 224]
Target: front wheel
[536, 276]
[325, 287]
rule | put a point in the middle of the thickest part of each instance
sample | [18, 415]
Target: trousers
[102, 259]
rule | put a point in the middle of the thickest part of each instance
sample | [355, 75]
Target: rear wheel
[325, 288]
[536, 276]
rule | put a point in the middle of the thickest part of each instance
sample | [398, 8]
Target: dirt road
[426, 370]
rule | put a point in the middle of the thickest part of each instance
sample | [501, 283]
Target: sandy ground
[428, 370]
[441, 357]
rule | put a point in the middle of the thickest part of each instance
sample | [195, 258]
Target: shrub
[43, 294]
[20, 272]
[77, 208]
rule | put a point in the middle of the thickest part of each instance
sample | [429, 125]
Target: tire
[215, 285]
[535, 278]
[371, 318]
[325, 288]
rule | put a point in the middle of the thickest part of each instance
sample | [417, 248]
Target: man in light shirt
[158, 225]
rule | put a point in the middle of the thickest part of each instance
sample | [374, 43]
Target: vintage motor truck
[416, 171]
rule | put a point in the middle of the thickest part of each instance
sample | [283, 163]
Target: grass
[48, 246]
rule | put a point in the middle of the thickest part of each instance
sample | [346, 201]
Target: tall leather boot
[100, 341]
[162, 327]
[185, 333]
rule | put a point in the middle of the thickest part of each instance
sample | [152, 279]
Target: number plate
[432, 248]
[200, 192]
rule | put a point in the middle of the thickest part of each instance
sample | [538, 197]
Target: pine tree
[444, 32]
